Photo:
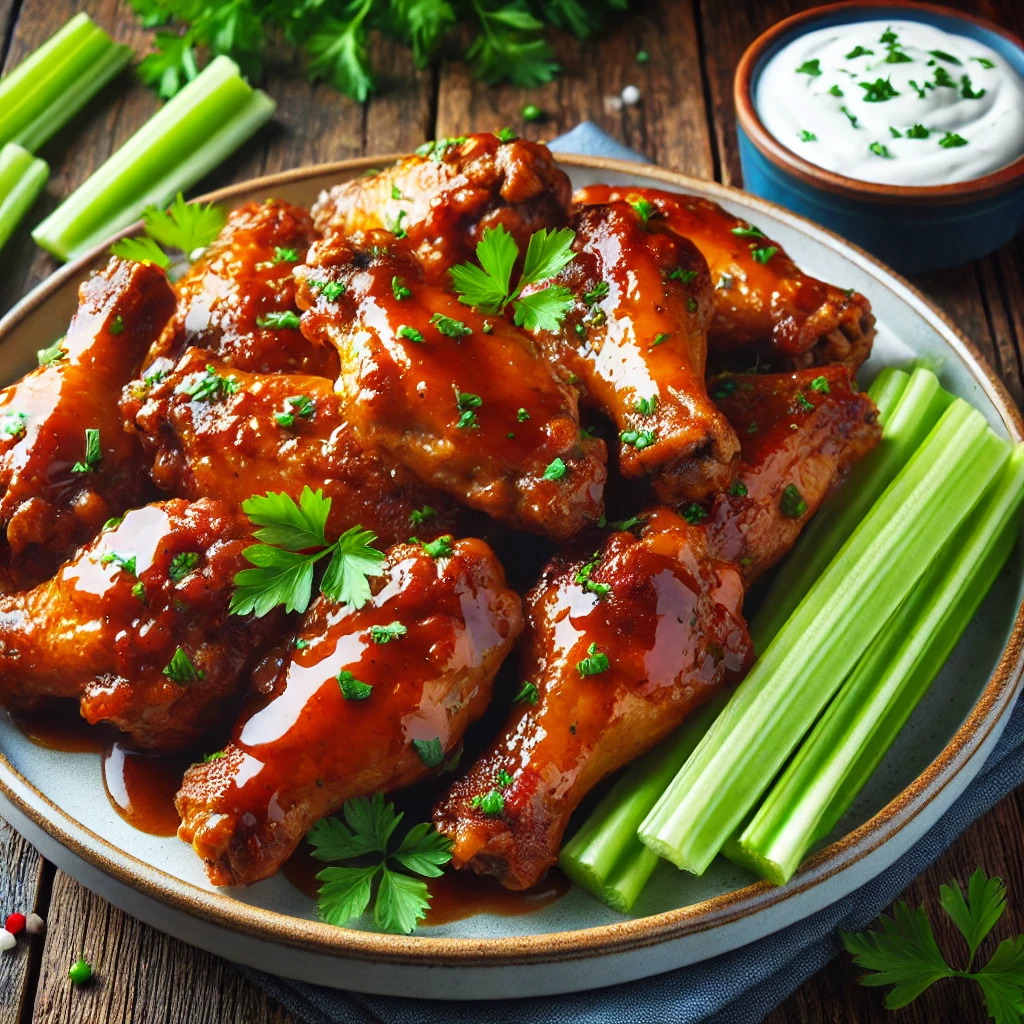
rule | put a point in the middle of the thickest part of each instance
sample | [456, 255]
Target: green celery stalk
[905, 425]
[205, 122]
[53, 83]
[22, 177]
[605, 856]
[789, 686]
[886, 390]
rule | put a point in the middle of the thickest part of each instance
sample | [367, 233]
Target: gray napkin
[740, 987]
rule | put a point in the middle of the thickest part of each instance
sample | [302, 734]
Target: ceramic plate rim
[632, 933]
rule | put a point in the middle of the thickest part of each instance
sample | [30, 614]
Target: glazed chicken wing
[800, 433]
[619, 647]
[224, 433]
[66, 466]
[365, 700]
[764, 305]
[444, 197]
[242, 279]
[464, 401]
[136, 625]
[635, 339]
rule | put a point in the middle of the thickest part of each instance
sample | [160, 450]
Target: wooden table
[684, 122]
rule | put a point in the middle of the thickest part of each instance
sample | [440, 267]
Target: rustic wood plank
[669, 125]
[21, 891]
[139, 975]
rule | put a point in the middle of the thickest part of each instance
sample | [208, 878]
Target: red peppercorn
[15, 923]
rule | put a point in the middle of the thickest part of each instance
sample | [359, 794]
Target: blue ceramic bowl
[914, 229]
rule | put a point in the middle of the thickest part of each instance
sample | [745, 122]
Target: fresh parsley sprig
[187, 227]
[402, 900]
[292, 541]
[904, 953]
[488, 286]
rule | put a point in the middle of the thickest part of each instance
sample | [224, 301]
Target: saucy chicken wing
[800, 434]
[365, 700]
[619, 647]
[764, 305]
[466, 402]
[444, 197]
[238, 299]
[635, 339]
[66, 466]
[136, 625]
[224, 433]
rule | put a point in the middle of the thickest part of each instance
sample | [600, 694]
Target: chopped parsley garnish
[879, 150]
[346, 892]
[431, 752]
[738, 489]
[967, 92]
[762, 254]
[506, 135]
[297, 405]
[352, 688]
[820, 384]
[646, 406]
[209, 386]
[489, 286]
[450, 328]
[599, 291]
[54, 354]
[626, 524]
[410, 334]
[440, 548]
[919, 89]
[555, 471]
[182, 564]
[123, 562]
[584, 580]
[528, 694]
[660, 339]
[117, 325]
[943, 78]
[836, 91]
[522, 415]
[12, 424]
[806, 136]
[917, 131]
[467, 403]
[285, 255]
[852, 118]
[330, 290]
[385, 634]
[685, 276]
[437, 149]
[748, 231]
[895, 132]
[93, 453]
[792, 503]
[180, 669]
[292, 541]
[810, 67]
[951, 140]
[396, 194]
[639, 439]
[503, 778]
[643, 207]
[984, 62]
[492, 803]
[215, 756]
[278, 320]
[695, 513]
[947, 57]
[531, 112]
[858, 51]
[878, 91]
[395, 227]
[594, 663]
[418, 516]
[112, 523]
[804, 403]
[398, 289]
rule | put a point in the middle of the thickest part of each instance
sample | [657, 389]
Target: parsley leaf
[431, 752]
[180, 669]
[976, 916]
[385, 634]
[173, 65]
[338, 52]
[346, 892]
[51, 355]
[93, 452]
[187, 227]
[183, 564]
[141, 250]
[528, 694]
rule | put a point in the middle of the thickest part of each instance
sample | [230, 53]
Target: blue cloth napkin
[740, 987]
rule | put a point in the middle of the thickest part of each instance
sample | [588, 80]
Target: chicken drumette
[365, 700]
[66, 466]
[136, 625]
[463, 400]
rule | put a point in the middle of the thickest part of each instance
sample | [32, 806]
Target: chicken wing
[66, 466]
[136, 625]
[225, 433]
[635, 339]
[464, 401]
[619, 647]
[444, 197]
[241, 279]
[800, 434]
[764, 305]
[364, 700]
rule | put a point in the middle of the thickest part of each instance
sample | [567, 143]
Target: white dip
[900, 103]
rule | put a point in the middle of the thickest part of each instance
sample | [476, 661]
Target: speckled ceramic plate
[57, 800]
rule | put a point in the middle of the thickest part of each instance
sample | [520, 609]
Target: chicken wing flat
[224, 433]
[66, 466]
[619, 647]
[227, 301]
[467, 403]
[800, 433]
[444, 197]
[764, 305]
[136, 625]
[364, 700]
[636, 341]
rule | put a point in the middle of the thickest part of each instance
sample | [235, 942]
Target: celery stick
[183, 141]
[820, 644]
[847, 743]
[886, 390]
[22, 177]
[605, 857]
[50, 86]
[907, 424]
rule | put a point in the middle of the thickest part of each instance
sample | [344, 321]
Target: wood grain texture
[21, 891]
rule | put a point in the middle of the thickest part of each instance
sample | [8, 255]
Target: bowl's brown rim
[850, 188]
[421, 951]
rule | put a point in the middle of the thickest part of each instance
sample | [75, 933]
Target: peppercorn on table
[678, 111]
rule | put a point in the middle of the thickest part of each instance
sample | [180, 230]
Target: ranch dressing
[899, 103]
